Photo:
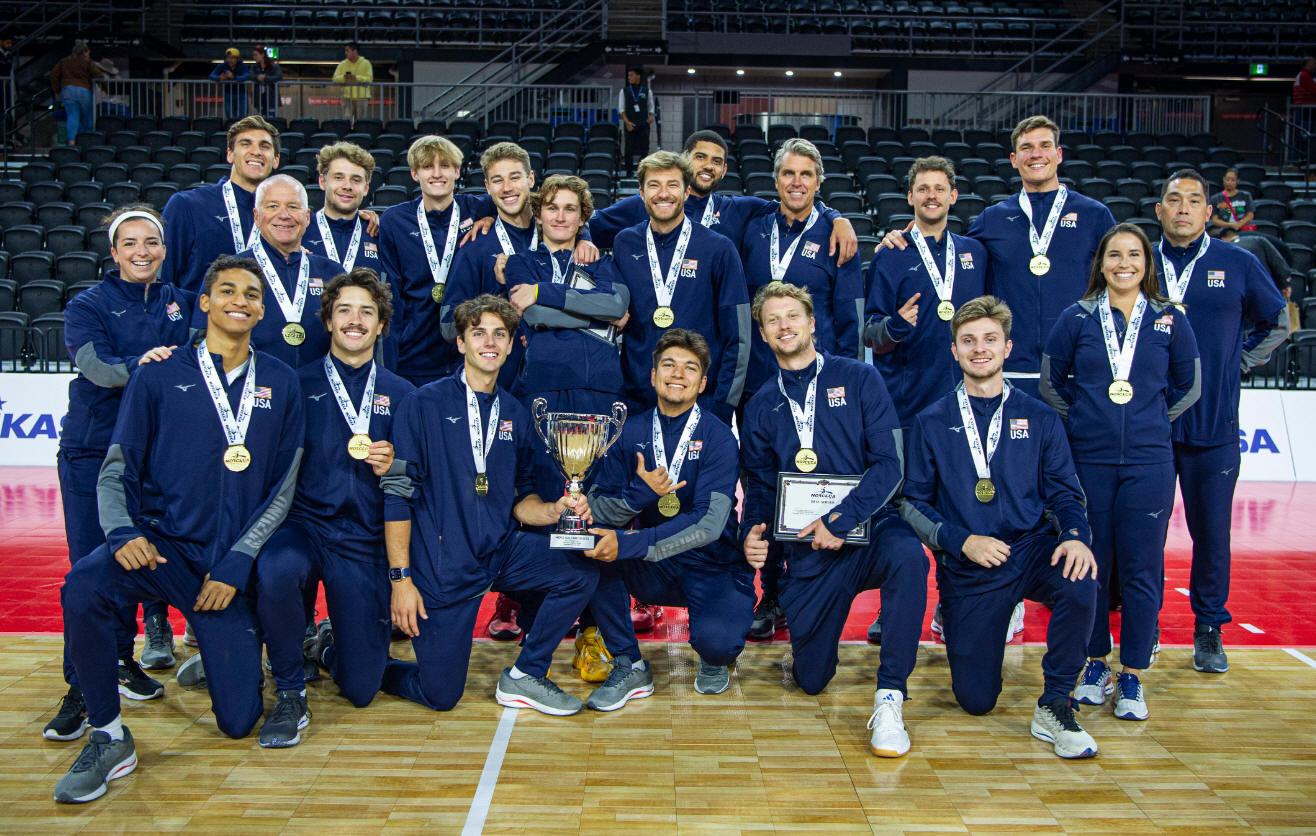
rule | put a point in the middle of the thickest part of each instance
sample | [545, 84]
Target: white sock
[114, 728]
[517, 673]
[637, 664]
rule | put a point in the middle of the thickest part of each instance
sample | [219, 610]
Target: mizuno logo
[120, 313]
[636, 256]
[1155, 514]
[957, 429]
[454, 419]
[1013, 217]
[316, 398]
[1226, 472]
[184, 386]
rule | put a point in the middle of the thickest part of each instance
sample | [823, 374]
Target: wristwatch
[397, 573]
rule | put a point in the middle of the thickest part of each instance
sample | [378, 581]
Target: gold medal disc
[664, 317]
[1120, 392]
[984, 491]
[236, 458]
[806, 460]
[436, 293]
[358, 446]
[945, 310]
[1039, 264]
[481, 484]
[669, 505]
[294, 334]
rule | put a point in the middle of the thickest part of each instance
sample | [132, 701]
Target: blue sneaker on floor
[1130, 704]
[1094, 684]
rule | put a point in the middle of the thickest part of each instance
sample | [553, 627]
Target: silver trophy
[575, 441]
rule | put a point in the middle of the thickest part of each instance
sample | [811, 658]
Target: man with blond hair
[417, 245]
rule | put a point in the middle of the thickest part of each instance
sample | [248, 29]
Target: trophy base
[578, 542]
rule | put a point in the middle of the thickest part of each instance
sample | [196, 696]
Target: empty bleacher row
[54, 244]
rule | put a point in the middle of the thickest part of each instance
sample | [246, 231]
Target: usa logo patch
[1217, 275]
[1019, 424]
[690, 264]
[316, 286]
[810, 249]
[836, 392]
[504, 426]
[696, 445]
[263, 393]
[966, 261]
[173, 312]
[381, 400]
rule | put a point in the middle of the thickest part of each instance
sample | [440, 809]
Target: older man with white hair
[294, 277]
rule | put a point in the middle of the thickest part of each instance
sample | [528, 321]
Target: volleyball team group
[269, 399]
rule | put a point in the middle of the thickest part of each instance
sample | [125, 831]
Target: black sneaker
[288, 717]
[71, 719]
[875, 630]
[768, 619]
[314, 647]
[159, 651]
[135, 684]
[1209, 650]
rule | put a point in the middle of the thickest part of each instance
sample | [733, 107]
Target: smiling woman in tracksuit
[1119, 366]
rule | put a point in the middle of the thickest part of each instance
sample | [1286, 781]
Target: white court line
[1181, 591]
[489, 775]
[1301, 657]
[1252, 629]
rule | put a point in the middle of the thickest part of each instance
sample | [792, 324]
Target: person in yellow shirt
[356, 69]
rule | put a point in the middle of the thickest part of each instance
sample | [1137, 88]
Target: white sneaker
[1095, 683]
[890, 740]
[938, 634]
[1130, 702]
[1016, 622]
[189, 638]
[1056, 724]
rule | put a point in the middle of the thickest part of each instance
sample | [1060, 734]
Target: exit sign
[1258, 69]
[273, 52]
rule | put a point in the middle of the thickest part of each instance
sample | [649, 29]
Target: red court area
[1274, 577]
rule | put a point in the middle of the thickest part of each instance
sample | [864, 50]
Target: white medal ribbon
[943, 281]
[665, 288]
[1041, 243]
[438, 269]
[1121, 357]
[1175, 283]
[780, 263]
[982, 460]
[660, 450]
[560, 275]
[292, 308]
[235, 428]
[235, 222]
[803, 417]
[505, 241]
[331, 249]
[709, 211]
[481, 441]
[358, 421]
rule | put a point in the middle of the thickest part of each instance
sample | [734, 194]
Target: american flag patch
[966, 260]
[696, 446]
[690, 264]
[811, 246]
[1218, 275]
[370, 247]
[466, 223]
[263, 392]
[381, 400]
[316, 284]
[504, 426]
[171, 308]
[1019, 424]
[836, 392]
[1072, 216]
[1168, 319]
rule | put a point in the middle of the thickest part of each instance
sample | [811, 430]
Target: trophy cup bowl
[575, 441]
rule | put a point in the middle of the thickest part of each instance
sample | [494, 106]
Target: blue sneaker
[1130, 704]
[1094, 684]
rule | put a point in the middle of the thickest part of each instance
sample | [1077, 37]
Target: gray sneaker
[1208, 650]
[712, 679]
[192, 673]
[623, 684]
[537, 692]
[159, 651]
[288, 717]
[101, 761]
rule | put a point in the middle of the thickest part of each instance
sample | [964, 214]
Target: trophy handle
[616, 420]
[539, 411]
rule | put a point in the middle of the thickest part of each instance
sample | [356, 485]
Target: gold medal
[436, 293]
[806, 460]
[294, 334]
[945, 310]
[664, 317]
[236, 458]
[358, 446]
[1039, 264]
[1120, 392]
[984, 491]
[669, 505]
[481, 484]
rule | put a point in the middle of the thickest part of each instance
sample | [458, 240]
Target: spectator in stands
[71, 79]
[266, 75]
[355, 73]
[636, 109]
[1233, 208]
[1304, 86]
[232, 76]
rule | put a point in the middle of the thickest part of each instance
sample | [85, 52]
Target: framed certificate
[804, 497]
